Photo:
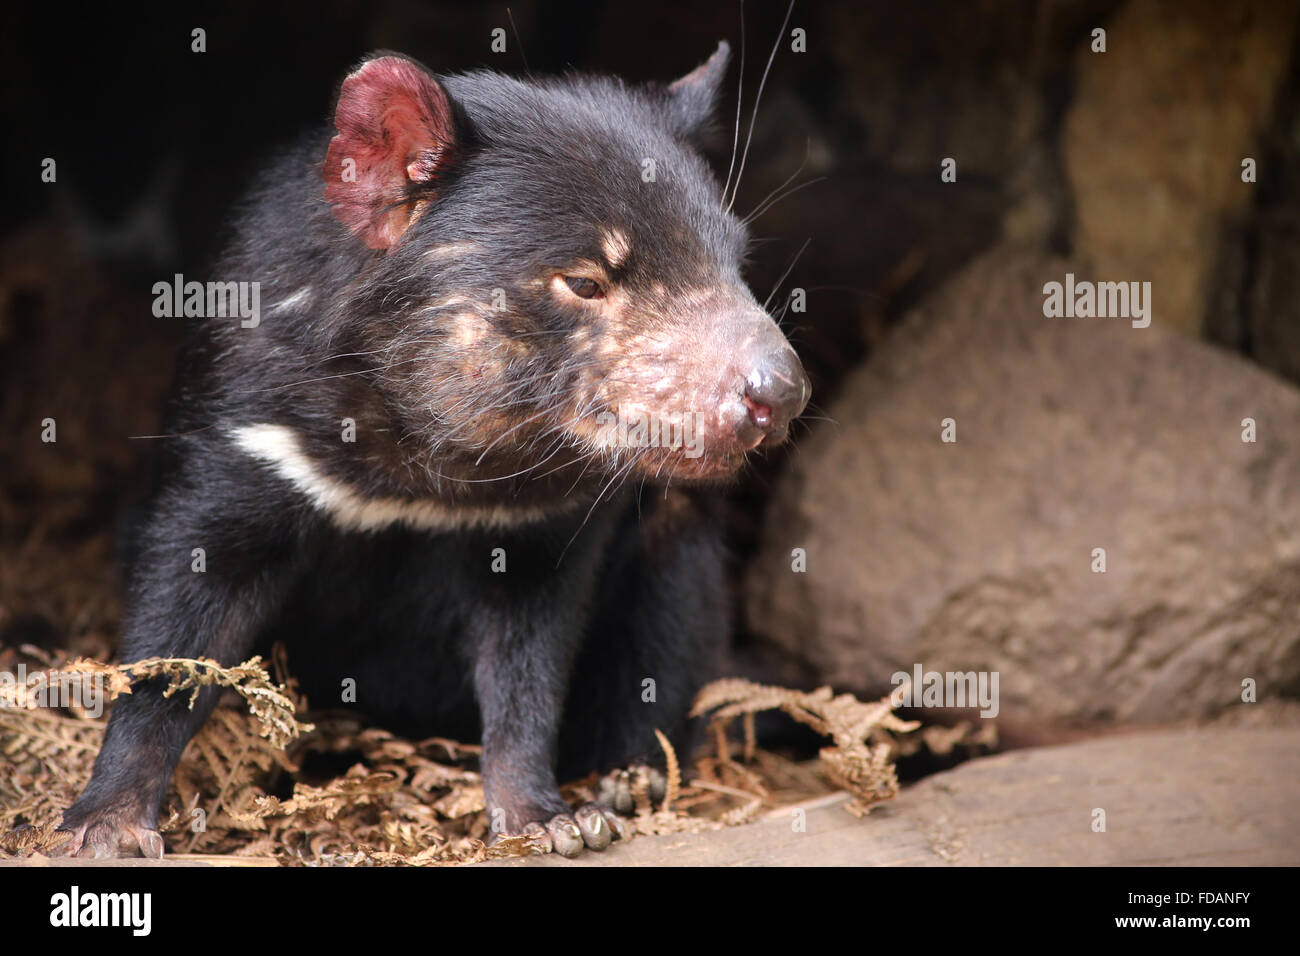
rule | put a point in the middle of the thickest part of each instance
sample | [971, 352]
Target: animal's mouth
[673, 464]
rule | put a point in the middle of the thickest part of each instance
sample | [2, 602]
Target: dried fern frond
[865, 771]
[402, 802]
[267, 701]
[358, 787]
[673, 784]
[45, 760]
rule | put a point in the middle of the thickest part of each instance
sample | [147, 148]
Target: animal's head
[559, 269]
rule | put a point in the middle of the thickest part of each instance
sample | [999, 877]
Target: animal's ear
[396, 136]
[691, 98]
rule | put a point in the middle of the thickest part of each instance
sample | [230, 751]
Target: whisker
[785, 195]
[757, 100]
[807, 149]
[740, 92]
[785, 275]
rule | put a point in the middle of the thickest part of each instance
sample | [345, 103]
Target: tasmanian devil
[463, 461]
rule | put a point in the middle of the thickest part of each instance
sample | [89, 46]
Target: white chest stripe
[279, 446]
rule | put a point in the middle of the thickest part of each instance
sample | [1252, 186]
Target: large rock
[1072, 434]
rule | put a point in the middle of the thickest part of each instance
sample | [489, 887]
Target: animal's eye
[584, 288]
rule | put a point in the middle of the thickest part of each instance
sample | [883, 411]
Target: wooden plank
[1206, 797]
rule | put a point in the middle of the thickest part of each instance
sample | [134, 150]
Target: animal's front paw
[591, 826]
[108, 833]
[619, 788]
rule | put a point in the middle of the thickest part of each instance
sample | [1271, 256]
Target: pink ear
[395, 130]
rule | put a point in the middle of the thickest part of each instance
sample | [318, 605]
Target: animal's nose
[776, 391]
